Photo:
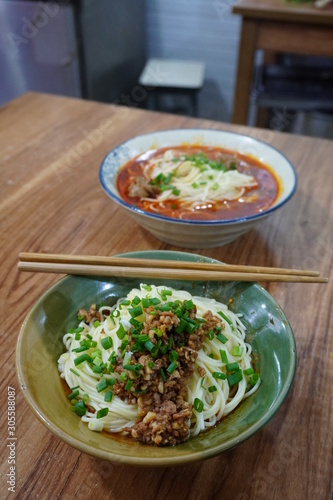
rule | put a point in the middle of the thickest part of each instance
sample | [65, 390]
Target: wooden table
[277, 26]
[51, 201]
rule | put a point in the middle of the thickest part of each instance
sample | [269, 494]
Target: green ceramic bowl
[40, 345]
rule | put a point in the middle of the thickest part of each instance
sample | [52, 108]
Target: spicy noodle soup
[198, 183]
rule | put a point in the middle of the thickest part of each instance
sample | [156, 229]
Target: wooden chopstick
[161, 273]
[154, 263]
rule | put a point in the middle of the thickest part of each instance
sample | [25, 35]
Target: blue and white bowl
[197, 234]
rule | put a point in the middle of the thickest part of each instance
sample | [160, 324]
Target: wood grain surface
[277, 26]
[285, 10]
[51, 201]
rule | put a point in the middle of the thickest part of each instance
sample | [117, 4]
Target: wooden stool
[169, 76]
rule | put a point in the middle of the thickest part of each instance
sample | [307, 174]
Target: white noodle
[217, 404]
[196, 186]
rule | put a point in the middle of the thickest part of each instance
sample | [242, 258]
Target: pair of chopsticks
[163, 269]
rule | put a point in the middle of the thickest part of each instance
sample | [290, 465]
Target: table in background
[51, 201]
[277, 26]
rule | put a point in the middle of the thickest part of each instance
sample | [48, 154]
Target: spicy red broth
[253, 200]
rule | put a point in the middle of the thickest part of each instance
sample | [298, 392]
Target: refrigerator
[93, 49]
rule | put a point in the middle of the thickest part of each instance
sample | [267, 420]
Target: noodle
[196, 182]
[97, 382]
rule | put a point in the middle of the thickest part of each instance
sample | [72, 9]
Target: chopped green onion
[155, 301]
[102, 385]
[237, 350]
[180, 328]
[145, 303]
[163, 375]
[78, 336]
[219, 375]
[128, 385]
[124, 343]
[121, 332]
[192, 321]
[82, 358]
[151, 364]
[149, 345]
[189, 305]
[133, 368]
[127, 358]
[137, 325]
[254, 379]
[166, 187]
[172, 366]
[136, 311]
[164, 307]
[210, 335]
[81, 348]
[107, 343]
[224, 357]
[102, 413]
[225, 317]
[95, 354]
[73, 394]
[97, 361]
[248, 371]
[154, 351]
[222, 338]
[80, 409]
[190, 327]
[96, 323]
[163, 349]
[231, 367]
[112, 357]
[75, 372]
[97, 369]
[123, 376]
[212, 388]
[235, 377]
[147, 287]
[125, 302]
[173, 355]
[136, 301]
[198, 405]
[108, 397]
[143, 338]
